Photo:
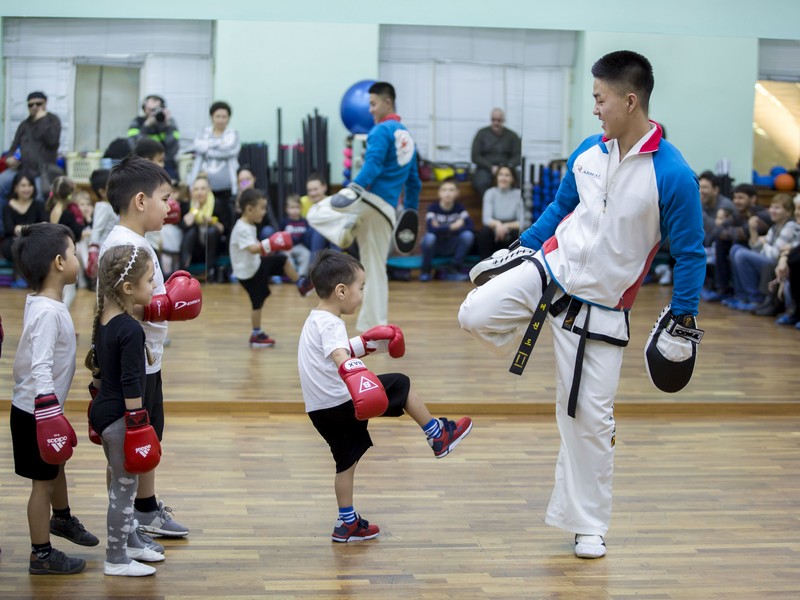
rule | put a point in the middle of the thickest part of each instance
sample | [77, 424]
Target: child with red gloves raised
[43, 369]
[341, 394]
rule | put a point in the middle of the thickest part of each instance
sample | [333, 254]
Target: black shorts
[27, 460]
[153, 401]
[258, 285]
[347, 436]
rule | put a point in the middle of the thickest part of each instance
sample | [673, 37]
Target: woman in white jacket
[217, 154]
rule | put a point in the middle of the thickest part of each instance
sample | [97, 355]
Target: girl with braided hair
[117, 360]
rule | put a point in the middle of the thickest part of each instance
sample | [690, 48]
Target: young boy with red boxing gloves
[129, 441]
[43, 368]
[139, 192]
[255, 262]
[341, 394]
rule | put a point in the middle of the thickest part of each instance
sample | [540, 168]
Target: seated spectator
[316, 190]
[732, 227]
[449, 233]
[297, 227]
[492, 147]
[503, 213]
[787, 272]
[84, 202]
[747, 263]
[204, 228]
[172, 234]
[63, 210]
[104, 219]
[217, 154]
[22, 209]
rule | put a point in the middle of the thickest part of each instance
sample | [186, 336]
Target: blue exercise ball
[354, 108]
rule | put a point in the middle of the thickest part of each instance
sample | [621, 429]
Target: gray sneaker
[145, 541]
[73, 530]
[160, 522]
[57, 563]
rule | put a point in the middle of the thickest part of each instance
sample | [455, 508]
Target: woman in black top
[21, 210]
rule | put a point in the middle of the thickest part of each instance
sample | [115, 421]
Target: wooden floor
[705, 496]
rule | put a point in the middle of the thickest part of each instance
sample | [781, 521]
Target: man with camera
[157, 124]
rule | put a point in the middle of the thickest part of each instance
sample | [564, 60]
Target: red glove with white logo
[276, 242]
[181, 302]
[54, 435]
[142, 448]
[366, 390]
[382, 338]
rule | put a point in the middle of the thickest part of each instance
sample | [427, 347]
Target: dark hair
[627, 71]
[452, 180]
[63, 187]
[510, 170]
[245, 167]
[148, 148]
[154, 97]
[316, 177]
[712, 179]
[132, 176]
[250, 197]
[745, 188]
[37, 247]
[217, 105]
[99, 180]
[383, 88]
[117, 265]
[332, 268]
[19, 177]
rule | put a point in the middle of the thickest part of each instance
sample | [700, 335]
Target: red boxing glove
[276, 242]
[382, 338]
[182, 301]
[54, 434]
[92, 261]
[142, 448]
[94, 437]
[369, 397]
[174, 214]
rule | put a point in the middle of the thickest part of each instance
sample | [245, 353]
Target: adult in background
[217, 154]
[34, 149]
[157, 124]
[503, 213]
[494, 146]
[366, 210]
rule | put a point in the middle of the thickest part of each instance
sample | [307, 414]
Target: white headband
[128, 267]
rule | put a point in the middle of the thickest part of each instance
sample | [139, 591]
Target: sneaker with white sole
[589, 546]
[132, 569]
[144, 554]
[452, 433]
[160, 522]
[145, 541]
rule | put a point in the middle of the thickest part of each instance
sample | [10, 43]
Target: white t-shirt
[45, 359]
[322, 387]
[244, 263]
[154, 333]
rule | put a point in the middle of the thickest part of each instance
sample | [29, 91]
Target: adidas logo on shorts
[143, 451]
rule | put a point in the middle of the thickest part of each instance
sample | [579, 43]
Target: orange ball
[784, 182]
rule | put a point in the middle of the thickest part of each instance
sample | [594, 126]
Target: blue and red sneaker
[358, 530]
[452, 434]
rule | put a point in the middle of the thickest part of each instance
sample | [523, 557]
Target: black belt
[535, 326]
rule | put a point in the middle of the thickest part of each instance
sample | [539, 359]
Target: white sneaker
[589, 546]
[144, 554]
[132, 569]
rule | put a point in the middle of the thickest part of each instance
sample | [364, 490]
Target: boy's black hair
[383, 88]
[450, 179]
[627, 71]
[37, 247]
[130, 177]
[219, 104]
[712, 179]
[316, 177]
[332, 268]
[250, 197]
[99, 180]
[745, 188]
[148, 148]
